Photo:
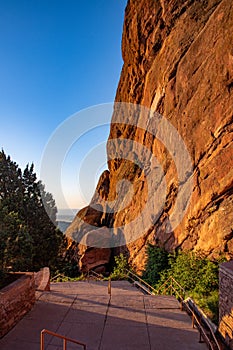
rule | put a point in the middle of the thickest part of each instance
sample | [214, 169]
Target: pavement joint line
[71, 305]
[147, 328]
[152, 329]
[163, 308]
[105, 320]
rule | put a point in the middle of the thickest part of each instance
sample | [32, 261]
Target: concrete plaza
[84, 311]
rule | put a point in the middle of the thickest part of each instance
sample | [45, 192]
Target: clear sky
[58, 57]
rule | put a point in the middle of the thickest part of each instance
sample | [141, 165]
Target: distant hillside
[62, 225]
[65, 217]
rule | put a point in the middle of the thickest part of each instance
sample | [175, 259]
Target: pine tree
[37, 205]
[11, 202]
[11, 192]
[28, 238]
[17, 252]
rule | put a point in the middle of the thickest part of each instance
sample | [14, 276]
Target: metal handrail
[130, 273]
[202, 332]
[92, 273]
[65, 339]
[53, 279]
[181, 292]
[171, 281]
[173, 285]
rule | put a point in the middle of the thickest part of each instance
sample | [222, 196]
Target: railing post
[200, 341]
[181, 305]
[42, 340]
[109, 286]
[192, 320]
[65, 339]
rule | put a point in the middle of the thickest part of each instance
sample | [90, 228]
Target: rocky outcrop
[95, 250]
[90, 231]
[178, 61]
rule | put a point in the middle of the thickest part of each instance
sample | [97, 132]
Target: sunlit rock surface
[178, 61]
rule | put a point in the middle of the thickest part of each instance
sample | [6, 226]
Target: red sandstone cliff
[178, 61]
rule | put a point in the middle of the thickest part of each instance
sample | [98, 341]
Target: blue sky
[57, 57]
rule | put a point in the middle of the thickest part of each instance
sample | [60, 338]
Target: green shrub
[208, 278]
[192, 270]
[157, 262]
[121, 264]
[208, 303]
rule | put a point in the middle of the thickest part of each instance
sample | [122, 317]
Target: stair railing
[142, 284]
[55, 278]
[94, 274]
[173, 287]
[214, 345]
[65, 340]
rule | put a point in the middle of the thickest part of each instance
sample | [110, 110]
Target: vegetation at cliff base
[121, 264]
[192, 270]
[29, 239]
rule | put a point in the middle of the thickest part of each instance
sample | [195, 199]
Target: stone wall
[15, 301]
[42, 279]
[226, 302]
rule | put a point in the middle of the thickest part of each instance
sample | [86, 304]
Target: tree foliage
[193, 271]
[157, 262]
[29, 239]
[121, 264]
[197, 274]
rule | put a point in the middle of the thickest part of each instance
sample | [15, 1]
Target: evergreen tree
[37, 203]
[29, 239]
[17, 244]
[11, 202]
[11, 192]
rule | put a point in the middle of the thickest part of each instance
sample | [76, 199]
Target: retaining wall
[226, 302]
[42, 279]
[16, 300]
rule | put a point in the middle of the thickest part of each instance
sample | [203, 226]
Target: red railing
[65, 340]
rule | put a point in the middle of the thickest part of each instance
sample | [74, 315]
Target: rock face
[178, 61]
[95, 252]
[90, 230]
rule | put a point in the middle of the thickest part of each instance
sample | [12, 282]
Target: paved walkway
[84, 311]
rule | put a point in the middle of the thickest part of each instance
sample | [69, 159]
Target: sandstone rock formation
[178, 61]
[95, 250]
[89, 229]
